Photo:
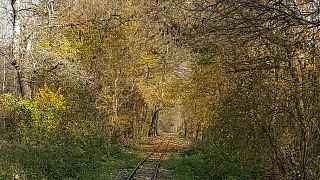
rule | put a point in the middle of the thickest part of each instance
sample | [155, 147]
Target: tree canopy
[240, 78]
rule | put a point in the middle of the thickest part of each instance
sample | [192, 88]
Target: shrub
[190, 164]
[35, 119]
[66, 157]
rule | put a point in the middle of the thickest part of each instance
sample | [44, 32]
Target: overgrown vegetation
[198, 163]
[188, 165]
[40, 144]
[66, 157]
[241, 77]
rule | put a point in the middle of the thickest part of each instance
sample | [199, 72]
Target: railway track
[148, 168]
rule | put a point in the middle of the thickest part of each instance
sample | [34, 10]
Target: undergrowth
[65, 158]
[196, 163]
[187, 165]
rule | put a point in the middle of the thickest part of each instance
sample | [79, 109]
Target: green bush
[33, 119]
[190, 164]
[195, 163]
[4, 165]
[67, 157]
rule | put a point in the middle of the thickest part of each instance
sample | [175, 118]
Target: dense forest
[83, 83]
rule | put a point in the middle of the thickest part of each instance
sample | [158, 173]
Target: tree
[20, 45]
[270, 39]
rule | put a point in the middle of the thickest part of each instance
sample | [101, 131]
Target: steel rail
[159, 161]
[144, 160]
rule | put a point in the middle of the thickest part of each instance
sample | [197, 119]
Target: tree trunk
[19, 62]
[114, 117]
[23, 79]
[185, 127]
[4, 76]
[154, 122]
[297, 79]
[143, 120]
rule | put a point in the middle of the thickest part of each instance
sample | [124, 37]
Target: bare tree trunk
[185, 127]
[114, 117]
[4, 76]
[154, 122]
[23, 79]
[18, 61]
[297, 77]
[144, 118]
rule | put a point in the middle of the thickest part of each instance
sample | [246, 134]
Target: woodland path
[154, 151]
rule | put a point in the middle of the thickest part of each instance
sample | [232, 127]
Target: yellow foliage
[7, 101]
[45, 97]
[40, 112]
[146, 59]
[75, 48]
[45, 44]
[130, 26]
